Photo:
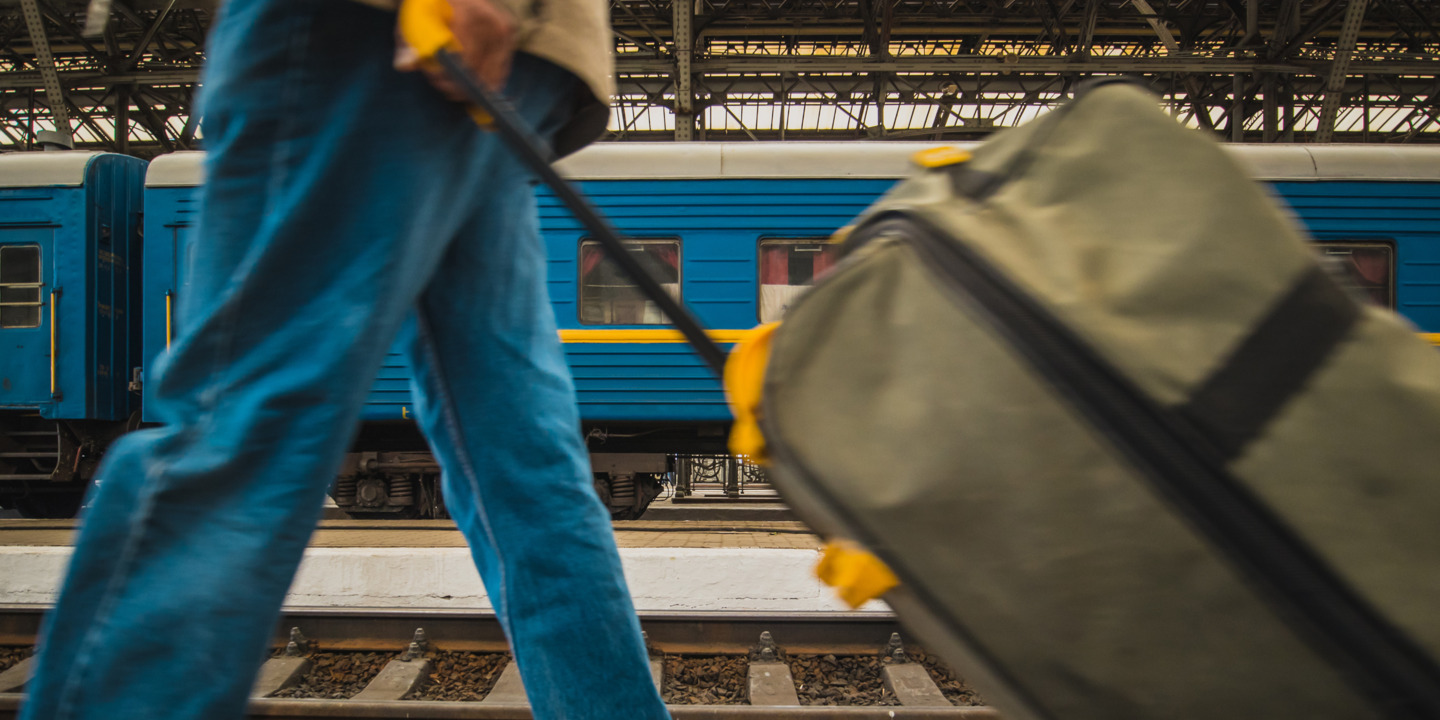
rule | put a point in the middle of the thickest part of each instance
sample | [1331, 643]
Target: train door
[28, 343]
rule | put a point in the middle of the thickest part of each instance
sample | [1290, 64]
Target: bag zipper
[1383, 664]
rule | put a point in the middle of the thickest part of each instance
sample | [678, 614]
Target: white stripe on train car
[177, 169]
[63, 168]
[1375, 162]
[697, 160]
[881, 160]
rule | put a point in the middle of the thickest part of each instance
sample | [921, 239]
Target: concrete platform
[708, 508]
[430, 568]
[731, 533]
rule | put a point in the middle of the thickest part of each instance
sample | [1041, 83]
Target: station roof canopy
[919, 70]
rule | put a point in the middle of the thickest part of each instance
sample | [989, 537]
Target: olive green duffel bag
[1130, 451]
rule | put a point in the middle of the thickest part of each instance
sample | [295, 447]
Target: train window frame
[781, 240]
[9, 287]
[651, 315]
[1347, 279]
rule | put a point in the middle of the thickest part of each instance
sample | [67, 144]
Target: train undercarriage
[47, 465]
[393, 474]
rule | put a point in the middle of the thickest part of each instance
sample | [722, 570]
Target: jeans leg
[498, 405]
[333, 185]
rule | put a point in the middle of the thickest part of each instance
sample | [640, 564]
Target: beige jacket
[574, 34]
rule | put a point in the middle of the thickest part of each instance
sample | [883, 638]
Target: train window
[607, 297]
[787, 267]
[1368, 268]
[20, 286]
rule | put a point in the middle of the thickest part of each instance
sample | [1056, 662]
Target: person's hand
[486, 32]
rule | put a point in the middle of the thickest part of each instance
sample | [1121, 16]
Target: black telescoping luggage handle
[536, 154]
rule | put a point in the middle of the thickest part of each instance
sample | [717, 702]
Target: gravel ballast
[9, 655]
[706, 680]
[951, 686]
[461, 676]
[839, 680]
[852, 680]
[338, 676]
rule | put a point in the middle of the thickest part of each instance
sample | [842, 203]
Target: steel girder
[1250, 70]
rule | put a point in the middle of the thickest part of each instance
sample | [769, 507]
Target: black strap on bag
[535, 153]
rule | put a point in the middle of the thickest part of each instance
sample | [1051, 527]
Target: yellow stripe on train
[667, 335]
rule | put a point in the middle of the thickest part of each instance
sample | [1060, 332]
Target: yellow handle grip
[744, 385]
[425, 27]
[857, 576]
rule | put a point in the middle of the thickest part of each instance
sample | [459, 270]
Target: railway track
[415, 646]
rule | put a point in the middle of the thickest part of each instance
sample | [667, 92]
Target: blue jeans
[343, 201]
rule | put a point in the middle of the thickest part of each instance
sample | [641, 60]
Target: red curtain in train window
[608, 297]
[669, 256]
[1369, 270]
[590, 256]
[1372, 266]
[1374, 270]
[826, 259]
[775, 264]
[787, 268]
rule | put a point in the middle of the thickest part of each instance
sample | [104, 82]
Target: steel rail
[426, 710]
[727, 633]
[472, 631]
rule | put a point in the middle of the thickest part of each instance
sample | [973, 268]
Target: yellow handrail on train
[54, 356]
[656, 335]
[169, 324]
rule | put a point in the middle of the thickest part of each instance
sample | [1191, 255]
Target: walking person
[347, 201]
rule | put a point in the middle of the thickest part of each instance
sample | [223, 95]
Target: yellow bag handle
[425, 27]
[744, 386]
[857, 576]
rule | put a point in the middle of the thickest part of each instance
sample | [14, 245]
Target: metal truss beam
[1002, 65]
[1251, 70]
[45, 60]
[684, 55]
[1335, 83]
[1013, 64]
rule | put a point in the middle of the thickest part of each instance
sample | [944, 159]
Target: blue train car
[389, 439]
[170, 213]
[739, 220]
[714, 219]
[69, 295]
[1375, 210]
[738, 230]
